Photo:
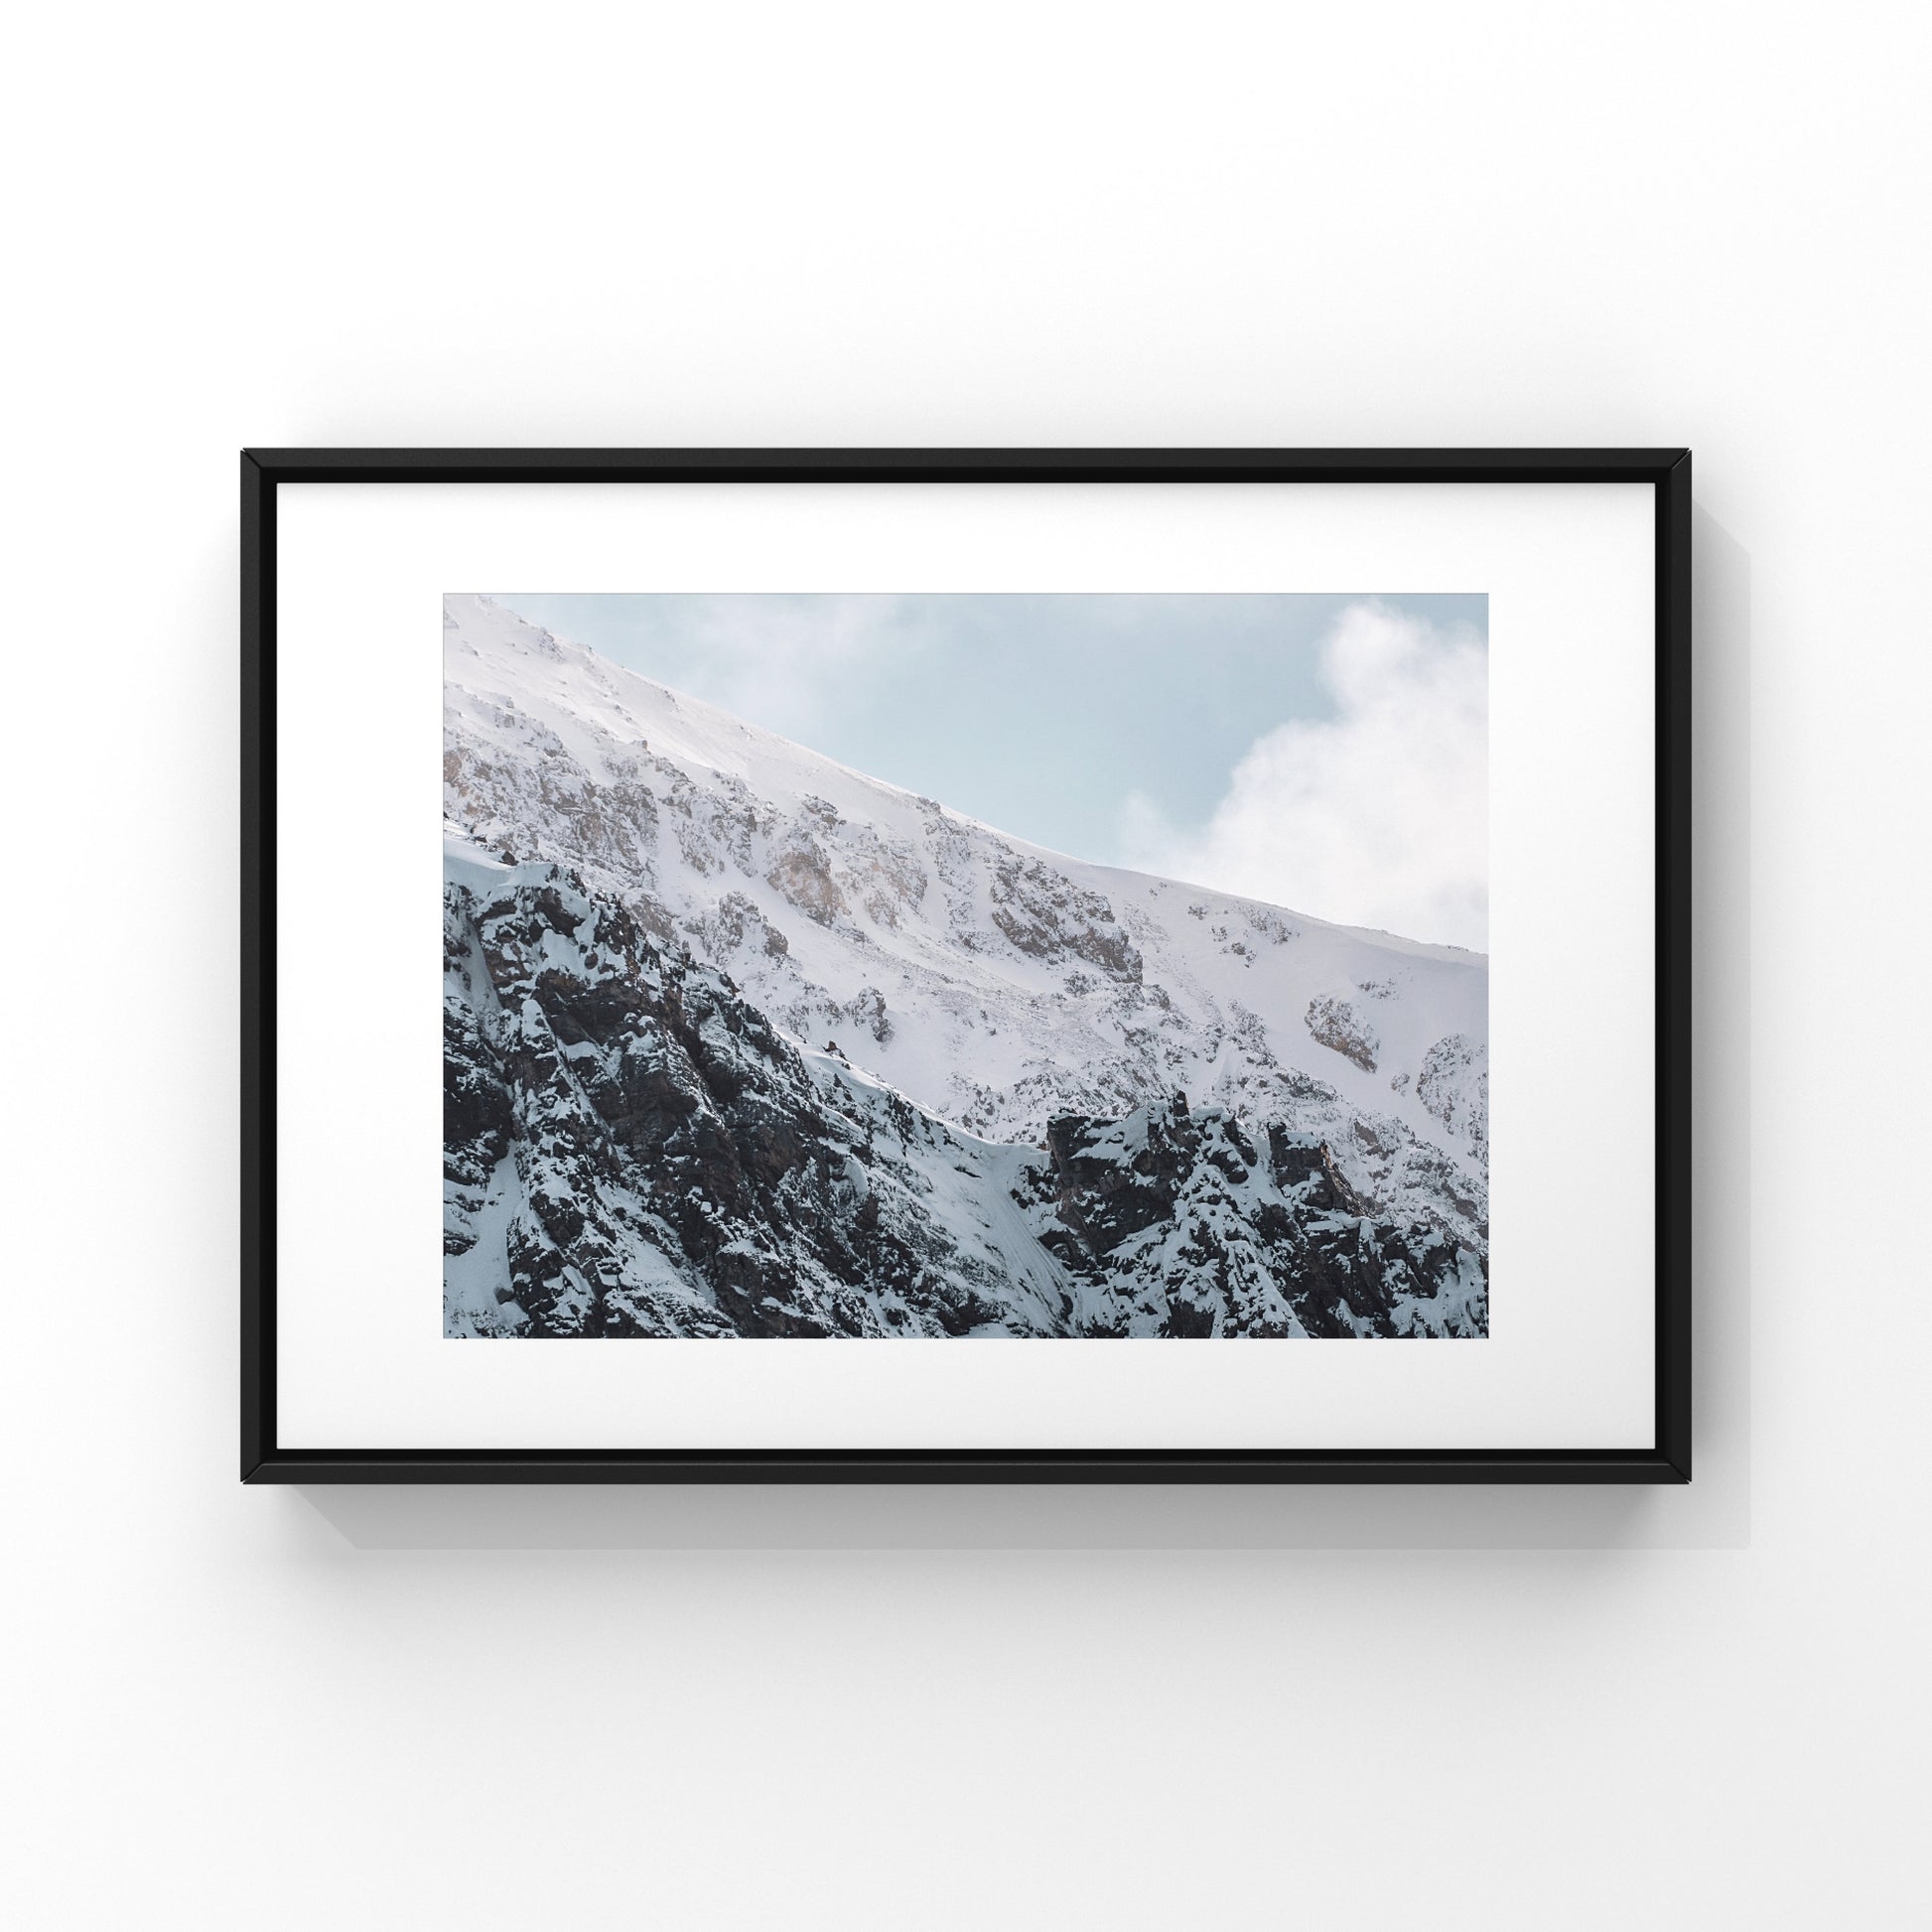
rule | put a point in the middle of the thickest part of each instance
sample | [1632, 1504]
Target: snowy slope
[994, 983]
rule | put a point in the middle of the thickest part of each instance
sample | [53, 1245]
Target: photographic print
[965, 966]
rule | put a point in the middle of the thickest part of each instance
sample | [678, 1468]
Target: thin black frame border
[1668, 470]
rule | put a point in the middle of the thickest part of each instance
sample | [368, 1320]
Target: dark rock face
[1178, 1224]
[658, 1159]
[633, 1149]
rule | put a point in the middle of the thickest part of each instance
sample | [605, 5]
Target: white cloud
[1378, 816]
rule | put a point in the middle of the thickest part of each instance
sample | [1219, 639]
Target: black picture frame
[1667, 1460]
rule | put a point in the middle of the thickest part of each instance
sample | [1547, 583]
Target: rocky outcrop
[1176, 1222]
[1453, 1085]
[1340, 1026]
[804, 874]
[1045, 915]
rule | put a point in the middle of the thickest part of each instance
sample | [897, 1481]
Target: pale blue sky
[1071, 720]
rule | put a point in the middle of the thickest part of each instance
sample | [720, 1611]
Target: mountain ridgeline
[741, 1043]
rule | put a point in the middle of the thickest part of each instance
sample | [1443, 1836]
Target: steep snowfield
[993, 983]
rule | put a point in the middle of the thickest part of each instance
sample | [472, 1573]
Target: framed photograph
[965, 965]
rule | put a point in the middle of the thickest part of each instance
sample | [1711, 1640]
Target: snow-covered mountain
[1046, 1050]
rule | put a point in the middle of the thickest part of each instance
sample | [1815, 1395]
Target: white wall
[812, 225]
